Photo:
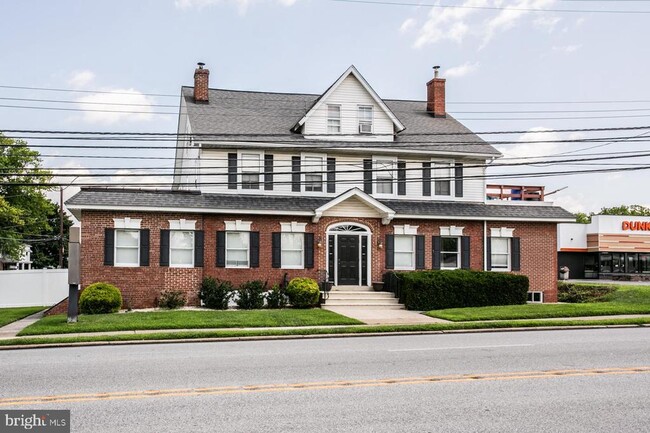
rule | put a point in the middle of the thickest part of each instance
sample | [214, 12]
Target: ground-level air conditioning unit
[536, 297]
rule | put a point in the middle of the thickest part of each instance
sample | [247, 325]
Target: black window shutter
[419, 252]
[309, 250]
[401, 178]
[232, 171]
[390, 251]
[144, 247]
[164, 248]
[458, 179]
[268, 172]
[198, 248]
[276, 250]
[515, 253]
[331, 174]
[488, 254]
[464, 252]
[109, 247]
[255, 249]
[221, 249]
[367, 176]
[437, 246]
[426, 179]
[295, 173]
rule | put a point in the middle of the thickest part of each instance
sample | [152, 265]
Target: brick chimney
[436, 95]
[201, 81]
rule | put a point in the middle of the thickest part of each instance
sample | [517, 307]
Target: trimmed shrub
[215, 293]
[303, 292]
[276, 297]
[581, 293]
[100, 298]
[437, 290]
[171, 299]
[251, 295]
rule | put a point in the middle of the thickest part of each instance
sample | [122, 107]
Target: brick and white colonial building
[340, 186]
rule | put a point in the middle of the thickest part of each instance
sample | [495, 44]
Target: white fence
[33, 288]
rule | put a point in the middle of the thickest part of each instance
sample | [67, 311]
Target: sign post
[74, 247]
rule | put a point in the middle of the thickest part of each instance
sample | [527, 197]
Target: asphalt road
[539, 381]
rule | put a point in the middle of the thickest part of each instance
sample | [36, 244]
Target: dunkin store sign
[636, 226]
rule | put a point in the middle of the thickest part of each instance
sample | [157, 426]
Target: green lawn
[433, 327]
[8, 315]
[625, 300]
[188, 319]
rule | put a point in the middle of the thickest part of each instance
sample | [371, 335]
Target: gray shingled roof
[266, 115]
[195, 202]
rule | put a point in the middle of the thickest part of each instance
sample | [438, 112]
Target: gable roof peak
[352, 70]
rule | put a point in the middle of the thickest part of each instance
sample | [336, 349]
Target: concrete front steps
[362, 297]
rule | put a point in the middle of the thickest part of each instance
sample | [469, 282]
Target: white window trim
[115, 248]
[372, 120]
[375, 161]
[457, 252]
[192, 249]
[502, 232]
[406, 229]
[413, 253]
[127, 223]
[451, 231]
[238, 226]
[182, 224]
[303, 157]
[332, 118]
[240, 170]
[508, 255]
[302, 252]
[436, 174]
[248, 250]
[293, 227]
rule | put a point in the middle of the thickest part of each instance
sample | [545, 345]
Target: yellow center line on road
[338, 384]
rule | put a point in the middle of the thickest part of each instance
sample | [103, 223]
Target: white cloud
[407, 25]
[568, 48]
[466, 68]
[124, 177]
[457, 24]
[81, 79]
[533, 143]
[104, 108]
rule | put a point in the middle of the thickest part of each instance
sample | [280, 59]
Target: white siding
[352, 207]
[349, 95]
[214, 171]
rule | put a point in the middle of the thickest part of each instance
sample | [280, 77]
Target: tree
[45, 250]
[24, 210]
[631, 210]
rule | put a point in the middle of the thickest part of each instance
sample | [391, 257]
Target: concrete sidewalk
[12, 329]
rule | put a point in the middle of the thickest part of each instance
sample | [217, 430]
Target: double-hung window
[442, 174]
[404, 252]
[500, 256]
[250, 170]
[450, 253]
[127, 247]
[292, 250]
[313, 167]
[237, 249]
[365, 119]
[333, 119]
[384, 176]
[181, 248]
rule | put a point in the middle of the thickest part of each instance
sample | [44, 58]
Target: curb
[311, 337]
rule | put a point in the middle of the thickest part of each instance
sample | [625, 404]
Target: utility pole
[61, 228]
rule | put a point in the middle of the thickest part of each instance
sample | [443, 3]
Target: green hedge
[100, 298]
[303, 292]
[582, 293]
[436, 290]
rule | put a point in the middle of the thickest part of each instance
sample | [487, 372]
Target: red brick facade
[141, 285]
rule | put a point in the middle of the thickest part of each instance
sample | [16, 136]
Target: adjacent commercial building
[610, 247]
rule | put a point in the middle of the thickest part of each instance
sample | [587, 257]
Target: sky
[508, 68]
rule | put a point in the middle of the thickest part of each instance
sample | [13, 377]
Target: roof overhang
[387, 214]
[352, 70]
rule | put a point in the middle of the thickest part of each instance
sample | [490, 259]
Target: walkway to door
[381, 316]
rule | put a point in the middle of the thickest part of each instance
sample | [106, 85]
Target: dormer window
[333, 119]
[250, 170]
[365, 119]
